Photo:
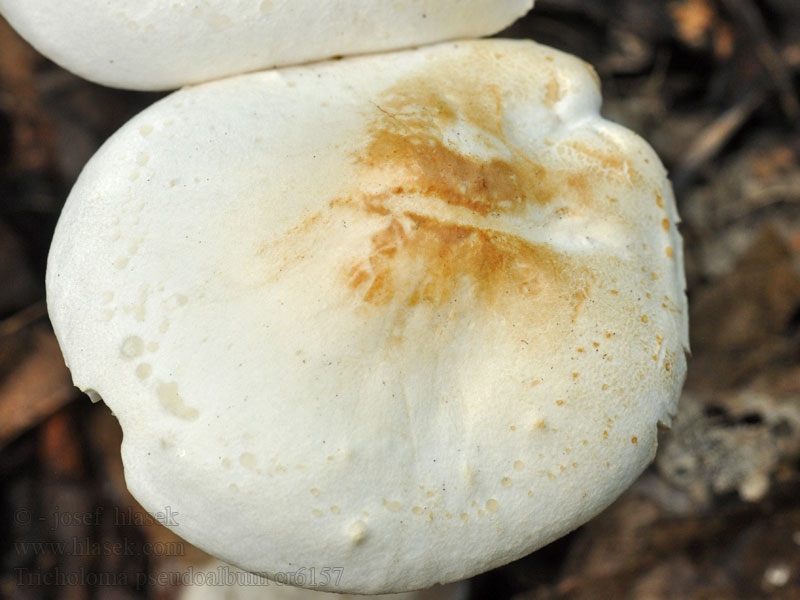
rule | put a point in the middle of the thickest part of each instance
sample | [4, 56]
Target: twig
[22, 319]
[714, 136]
[772, 61]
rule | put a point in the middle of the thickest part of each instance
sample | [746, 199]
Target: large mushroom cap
[412, 315]
[165, 44]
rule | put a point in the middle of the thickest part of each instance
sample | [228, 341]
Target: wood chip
[37, 387]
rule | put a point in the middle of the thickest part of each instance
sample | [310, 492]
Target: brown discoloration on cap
[416, 259]
[412, 158]
[409, 147]
[434, 209]
[428, 167]
[553, 92]
[613, 163]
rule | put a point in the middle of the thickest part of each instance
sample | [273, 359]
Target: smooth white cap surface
[165, 44]
[412, 315]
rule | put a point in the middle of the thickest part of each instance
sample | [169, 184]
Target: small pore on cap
[132, 347]
[392, 506]
[143, 371]
[172, 401]
[248, 460]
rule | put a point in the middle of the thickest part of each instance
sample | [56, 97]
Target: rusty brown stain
[430, 168]
[606, 159]
[416, 259]
[407, 141]
[552, 91]
[665, 224]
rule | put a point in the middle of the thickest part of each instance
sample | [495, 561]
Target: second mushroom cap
[165, 44]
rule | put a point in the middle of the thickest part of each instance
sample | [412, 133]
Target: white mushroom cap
[413, 315]
[165, 44]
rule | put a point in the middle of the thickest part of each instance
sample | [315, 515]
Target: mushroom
[411, 315]
[165, 44]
